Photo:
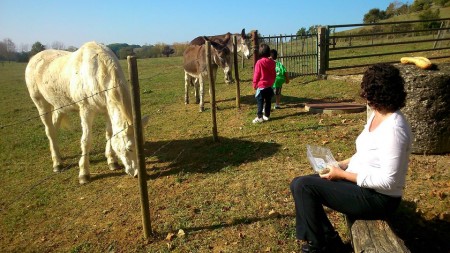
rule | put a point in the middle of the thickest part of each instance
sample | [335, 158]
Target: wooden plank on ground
[374, 236]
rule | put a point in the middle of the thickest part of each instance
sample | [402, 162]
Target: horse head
[124, 145]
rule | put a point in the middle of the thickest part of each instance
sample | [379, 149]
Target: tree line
[10, 52]
[427, 9]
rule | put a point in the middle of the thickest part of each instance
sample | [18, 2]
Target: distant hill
[444, 13]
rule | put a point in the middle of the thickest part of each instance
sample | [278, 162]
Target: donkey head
[222, 56]
[243, 44]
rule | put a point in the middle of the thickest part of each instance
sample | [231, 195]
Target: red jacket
[264, 74]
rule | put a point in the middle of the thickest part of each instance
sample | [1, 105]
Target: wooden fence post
[323, 51]
[236, 73]
[138, 135]
[212, 91]
[255, 46]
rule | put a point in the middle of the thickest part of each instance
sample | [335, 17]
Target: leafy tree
[125, 51]
[442, 3]
[420, 5]
[167, 51]
[58, 45]
[71, 49]
[179, 48]
[301, 31]
[428, 15]
[116, 47]
[36, 48]
[393, 9]
[3, 51]
[404, 9]
[374, 15]
[23, 56]
[313, 29]
[9, 50]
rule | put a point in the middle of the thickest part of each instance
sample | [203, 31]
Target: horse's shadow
[418, 233]
[202, 155]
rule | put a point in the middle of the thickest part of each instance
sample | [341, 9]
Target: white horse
[89, 80]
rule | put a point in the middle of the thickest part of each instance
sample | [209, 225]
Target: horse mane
[114, 81]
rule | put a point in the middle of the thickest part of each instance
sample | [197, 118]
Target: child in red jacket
[263, 78]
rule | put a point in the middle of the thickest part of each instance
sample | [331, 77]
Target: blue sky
[74, 22]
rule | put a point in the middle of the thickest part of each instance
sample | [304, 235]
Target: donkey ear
[227, 38]
[215, 44]
[243, 33]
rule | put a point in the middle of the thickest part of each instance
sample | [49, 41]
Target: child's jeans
[264, 100]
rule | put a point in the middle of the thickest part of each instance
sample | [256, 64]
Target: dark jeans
[264, 99]
[311, 192]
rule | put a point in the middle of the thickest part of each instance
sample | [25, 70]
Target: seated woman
[369, 185]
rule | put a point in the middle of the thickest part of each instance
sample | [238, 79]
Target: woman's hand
[335, 173]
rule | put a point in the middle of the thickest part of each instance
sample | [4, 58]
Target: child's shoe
[258, 120]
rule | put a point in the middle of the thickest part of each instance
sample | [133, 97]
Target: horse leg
[111, 156]
[87, 117]
[44, 109]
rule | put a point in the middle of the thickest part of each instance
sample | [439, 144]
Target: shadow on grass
[293, 101]
[419, 234]
[203, 155]
[239, 221]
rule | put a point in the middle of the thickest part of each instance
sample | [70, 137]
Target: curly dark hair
[264, 50]
[383, 88]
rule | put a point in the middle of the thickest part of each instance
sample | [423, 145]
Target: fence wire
[66, 168]
[69, 221]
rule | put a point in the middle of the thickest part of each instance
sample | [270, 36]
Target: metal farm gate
[366, 44]
[298, 53]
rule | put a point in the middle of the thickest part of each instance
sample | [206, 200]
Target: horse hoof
[84, 179]
[114, 166]
[58, 168]
[201, 109]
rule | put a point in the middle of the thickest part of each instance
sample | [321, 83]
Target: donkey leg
[110, 154]
[87, 117]
[44, 109]
[197, 95]
[202, 93]
[186, 88]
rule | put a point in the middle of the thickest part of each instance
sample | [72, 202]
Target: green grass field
[230, 196]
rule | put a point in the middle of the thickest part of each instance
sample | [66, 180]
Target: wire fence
[40, 181]
[65, 168]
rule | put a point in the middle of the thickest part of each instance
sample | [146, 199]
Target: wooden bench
[374, 236]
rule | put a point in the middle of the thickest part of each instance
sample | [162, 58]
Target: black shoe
[308, 248]
[335, 244]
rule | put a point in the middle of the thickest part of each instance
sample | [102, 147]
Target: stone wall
[428, 107]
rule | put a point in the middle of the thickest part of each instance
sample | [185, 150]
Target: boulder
[428, 107]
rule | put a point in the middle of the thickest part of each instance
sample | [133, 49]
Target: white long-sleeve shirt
[382, 156]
